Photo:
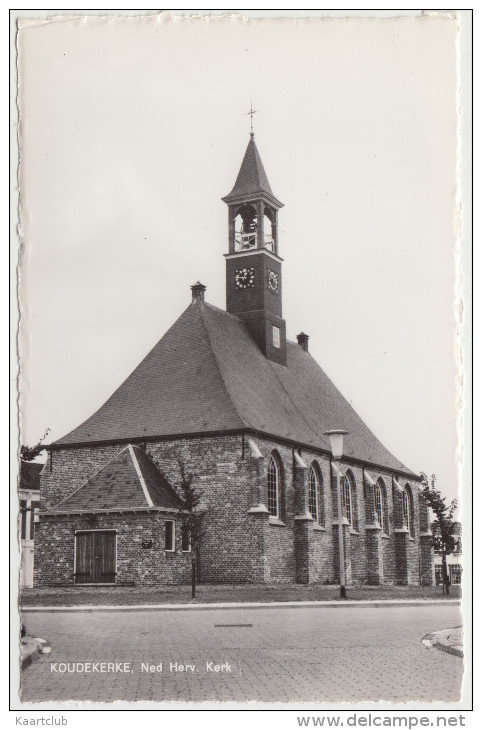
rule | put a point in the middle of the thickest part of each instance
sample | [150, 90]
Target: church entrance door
[95, 556]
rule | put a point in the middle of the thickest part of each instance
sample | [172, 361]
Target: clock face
[273, 283]
[244, 278]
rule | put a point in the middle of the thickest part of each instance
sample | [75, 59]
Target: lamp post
[336, 444]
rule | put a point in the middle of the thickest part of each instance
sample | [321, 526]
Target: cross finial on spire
[251, 113]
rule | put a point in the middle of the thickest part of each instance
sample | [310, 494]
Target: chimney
[198, 290]
[303, 341]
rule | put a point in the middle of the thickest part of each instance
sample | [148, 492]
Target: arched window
[245, 228]
[348, 499]
[408, 519]
[381, 510]
[313, 493]
[379, 504]
[316, 504]
[273, 486]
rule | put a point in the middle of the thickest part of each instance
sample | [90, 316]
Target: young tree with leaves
[191, 526]
[444, 539]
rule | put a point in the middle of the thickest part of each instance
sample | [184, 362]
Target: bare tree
[192, 520]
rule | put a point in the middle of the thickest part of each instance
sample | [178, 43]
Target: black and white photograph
[241, 246]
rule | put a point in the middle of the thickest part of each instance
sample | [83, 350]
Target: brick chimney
[303, 341]
[198, 290]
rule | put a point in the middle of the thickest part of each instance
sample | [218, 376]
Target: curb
[448, 640]
[449, 649]
[31, 649]
[237, 606]
[29, 657]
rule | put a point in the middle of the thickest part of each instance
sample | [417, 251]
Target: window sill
[276, 521]
[354, 532]
[319, 528]
[385, 536]
[169, 551]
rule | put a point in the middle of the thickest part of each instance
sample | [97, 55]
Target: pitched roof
[252, 179]
[129, 481]
[207, 375]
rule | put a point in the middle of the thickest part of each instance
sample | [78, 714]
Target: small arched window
[273, 486]
[408, 518]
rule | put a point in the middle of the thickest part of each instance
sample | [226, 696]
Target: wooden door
[95, 557]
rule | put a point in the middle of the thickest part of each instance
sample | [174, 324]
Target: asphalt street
[267, 655]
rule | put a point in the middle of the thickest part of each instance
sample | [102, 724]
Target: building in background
[29, 505]
[454, 561]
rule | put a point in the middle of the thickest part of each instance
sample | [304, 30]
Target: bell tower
[253, 266]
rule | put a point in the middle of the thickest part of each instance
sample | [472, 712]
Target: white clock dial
[244, 278]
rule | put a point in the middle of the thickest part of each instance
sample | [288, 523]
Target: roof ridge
[142, 457]
[137, 467]
[218, 368]
[92, 476]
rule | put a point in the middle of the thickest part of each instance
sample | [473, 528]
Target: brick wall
[239, 545]
[136, 565]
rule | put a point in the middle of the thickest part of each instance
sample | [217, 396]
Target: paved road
[289, 654]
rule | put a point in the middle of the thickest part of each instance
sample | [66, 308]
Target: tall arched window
[408, 518]
[273, 486]
[313, 493]
[379, 504]
[316, 501]
[381, 509]
[348, 499]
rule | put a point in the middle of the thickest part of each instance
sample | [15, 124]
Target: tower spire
[253, 265]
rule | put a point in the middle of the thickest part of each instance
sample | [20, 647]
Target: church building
[225, 398]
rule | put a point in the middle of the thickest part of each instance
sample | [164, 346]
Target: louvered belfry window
[273, 487]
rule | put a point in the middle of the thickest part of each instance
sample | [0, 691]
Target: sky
[131, 131]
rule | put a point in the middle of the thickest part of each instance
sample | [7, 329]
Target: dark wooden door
[95, 557]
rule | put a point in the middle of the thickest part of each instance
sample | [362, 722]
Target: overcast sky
[132, 131]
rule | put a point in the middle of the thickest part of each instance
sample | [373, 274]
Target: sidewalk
[102, 607]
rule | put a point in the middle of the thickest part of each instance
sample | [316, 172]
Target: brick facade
[241, 541]
[135, 564]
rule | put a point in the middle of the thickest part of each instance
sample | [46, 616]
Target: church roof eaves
[207, 377]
